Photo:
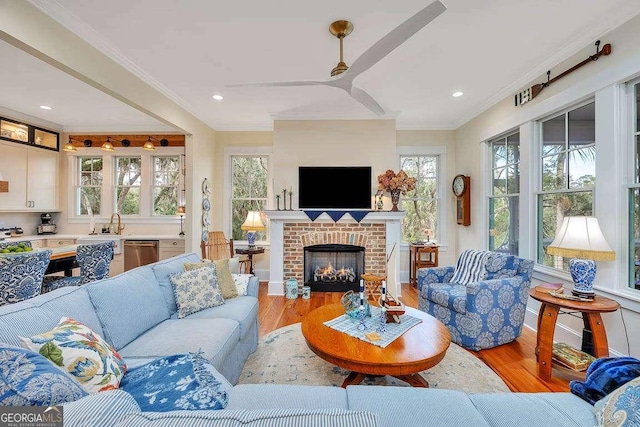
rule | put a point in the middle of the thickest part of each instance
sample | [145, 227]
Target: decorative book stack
[550, 287]
[570, 357]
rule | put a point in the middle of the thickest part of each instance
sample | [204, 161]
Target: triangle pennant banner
[313, 215]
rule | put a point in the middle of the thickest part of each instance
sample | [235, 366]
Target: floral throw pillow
[82, 353]
[178, 382]
[242, 282]
[196, 290]
[621, 407]
[29, 379]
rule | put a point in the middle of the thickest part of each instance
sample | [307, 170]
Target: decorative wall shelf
[14, 131]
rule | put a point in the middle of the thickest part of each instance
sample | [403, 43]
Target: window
[504, 197]
[166, 180]
[249, 178]
[127, 185]
[89, 187]
[634, 193]
[421, 205]
[568, 175]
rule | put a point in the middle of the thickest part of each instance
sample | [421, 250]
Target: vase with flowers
[396, 184]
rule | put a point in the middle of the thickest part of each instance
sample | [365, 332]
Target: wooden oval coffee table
[420, 348]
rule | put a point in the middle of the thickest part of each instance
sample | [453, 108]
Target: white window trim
[443, 187]
[146, 216]
[229, 152]
[487, 180]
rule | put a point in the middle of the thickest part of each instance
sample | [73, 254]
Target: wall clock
[461, 187]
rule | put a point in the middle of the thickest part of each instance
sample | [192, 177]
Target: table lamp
[181, 212]
[252, 224]
[580, 237]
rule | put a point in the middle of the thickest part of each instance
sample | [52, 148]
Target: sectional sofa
[136, 313]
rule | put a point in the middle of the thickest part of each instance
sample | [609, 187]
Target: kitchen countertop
[94, 236]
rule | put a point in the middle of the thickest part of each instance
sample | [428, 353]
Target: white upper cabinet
[32, 174]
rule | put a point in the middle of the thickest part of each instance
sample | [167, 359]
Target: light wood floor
[514, 362]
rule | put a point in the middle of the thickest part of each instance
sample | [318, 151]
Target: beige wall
[331, 143]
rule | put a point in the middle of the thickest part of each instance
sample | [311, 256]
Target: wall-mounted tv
[334, 187]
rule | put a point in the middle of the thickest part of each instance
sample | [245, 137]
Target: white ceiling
[189, 50]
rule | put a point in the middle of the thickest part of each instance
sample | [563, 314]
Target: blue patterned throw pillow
[501, 266]
[178, 382]
[29, 379]
[196, 290]
[621, 407]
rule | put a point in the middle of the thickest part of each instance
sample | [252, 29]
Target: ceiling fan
[343, 76]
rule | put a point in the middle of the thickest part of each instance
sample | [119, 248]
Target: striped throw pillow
[470, 267]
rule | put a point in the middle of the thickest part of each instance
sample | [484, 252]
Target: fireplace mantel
[277, 220]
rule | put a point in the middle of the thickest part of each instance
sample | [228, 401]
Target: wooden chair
[219, 247]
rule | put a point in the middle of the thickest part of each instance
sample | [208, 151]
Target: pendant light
[107, 146]
[69, 147]
[149, 145]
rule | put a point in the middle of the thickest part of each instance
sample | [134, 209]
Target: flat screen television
[334, 187]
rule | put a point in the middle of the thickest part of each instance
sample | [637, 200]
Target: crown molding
[605, 25]
[64, 17]
[392, 115]
[425, 125]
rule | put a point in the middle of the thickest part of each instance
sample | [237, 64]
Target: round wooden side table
[548, 315]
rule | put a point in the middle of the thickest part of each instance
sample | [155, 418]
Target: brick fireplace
[292, 231]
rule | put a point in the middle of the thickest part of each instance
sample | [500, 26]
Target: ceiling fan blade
[395, 38]
[365, 99]
[274, 84]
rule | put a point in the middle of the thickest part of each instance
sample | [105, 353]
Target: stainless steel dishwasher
[139, 252]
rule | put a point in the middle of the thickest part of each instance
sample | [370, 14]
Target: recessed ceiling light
[218, 97]
[44, 107]
[457, 94]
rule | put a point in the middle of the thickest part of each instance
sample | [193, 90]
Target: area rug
[283, 357]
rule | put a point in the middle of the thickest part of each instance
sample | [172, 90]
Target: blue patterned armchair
[21, 275]
[482, 301]
[94, 261]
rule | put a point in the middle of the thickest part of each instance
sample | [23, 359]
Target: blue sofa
[483, 313]
[136, 313]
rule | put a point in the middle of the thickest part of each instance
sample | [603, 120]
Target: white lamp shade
[253, 222]
[581, 237]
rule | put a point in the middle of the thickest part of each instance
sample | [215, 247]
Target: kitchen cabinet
[56, 243]
[33, 178]
[117, 265]
[22, 133]
[168, 248]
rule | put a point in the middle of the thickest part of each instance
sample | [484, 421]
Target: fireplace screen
[334, 268]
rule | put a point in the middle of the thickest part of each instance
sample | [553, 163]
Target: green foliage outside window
[90, 185]
[504, 215]
[249, 178]
[421, 204]
[166, 181]
[127, 183]
[568, 175]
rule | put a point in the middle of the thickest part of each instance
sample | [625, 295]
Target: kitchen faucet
[120, 227]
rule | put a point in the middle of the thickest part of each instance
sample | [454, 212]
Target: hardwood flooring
[515, 362]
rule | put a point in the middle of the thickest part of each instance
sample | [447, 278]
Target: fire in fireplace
[333, 267]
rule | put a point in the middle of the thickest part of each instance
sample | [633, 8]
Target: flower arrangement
[390, 181]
